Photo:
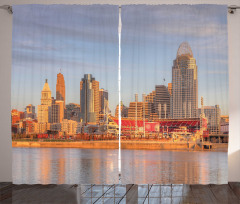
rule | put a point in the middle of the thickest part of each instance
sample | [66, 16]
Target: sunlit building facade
[56, 111]
[139, 110]
[150, 97]
[89, 99]
[170, 88]
[124, 110]
[184, 98]
[162, 101]
[60, 88]
[41, 127]
[69, 127]
[46, 102]
[30, 112]
[213, 115]
[103, 101]
[16, 116]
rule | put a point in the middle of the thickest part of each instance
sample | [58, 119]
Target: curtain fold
[175, 82]
[63, 86]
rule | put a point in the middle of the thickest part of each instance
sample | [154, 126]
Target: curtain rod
[8, 8]
[231, 9]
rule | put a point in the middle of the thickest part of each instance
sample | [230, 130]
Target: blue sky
[83, 39]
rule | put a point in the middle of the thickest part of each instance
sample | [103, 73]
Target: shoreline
[113, 144]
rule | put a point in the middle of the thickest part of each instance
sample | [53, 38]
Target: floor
[227, 193]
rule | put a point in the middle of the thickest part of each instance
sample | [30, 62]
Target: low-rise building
[69, 127]
[213, 115]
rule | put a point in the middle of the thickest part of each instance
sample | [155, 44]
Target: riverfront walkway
[125, 144]
[227, 193]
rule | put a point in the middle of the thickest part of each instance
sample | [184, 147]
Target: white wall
[234, 96]
[5, 76]
[5, 93]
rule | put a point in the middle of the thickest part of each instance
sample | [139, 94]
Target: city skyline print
[174, 92]
[210, 49]
[151, 38]
[62, 39]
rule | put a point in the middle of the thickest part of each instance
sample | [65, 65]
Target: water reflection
[99, 166]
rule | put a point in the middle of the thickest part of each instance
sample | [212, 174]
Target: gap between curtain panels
[119, 94]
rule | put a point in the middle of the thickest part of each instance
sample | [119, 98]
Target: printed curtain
[61, 54]
[103, 95]
[175, 92]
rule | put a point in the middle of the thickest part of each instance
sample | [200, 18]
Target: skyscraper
[103, 101]
[95, 86]
[89, 99]
[162, 101]
[46, 102]
[60, 88]
[184, 98]
[56, 111]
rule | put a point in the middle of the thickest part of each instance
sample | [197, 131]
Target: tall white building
[46, 102]
[184, 98]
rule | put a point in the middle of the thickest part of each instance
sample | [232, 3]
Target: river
[100, 166]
